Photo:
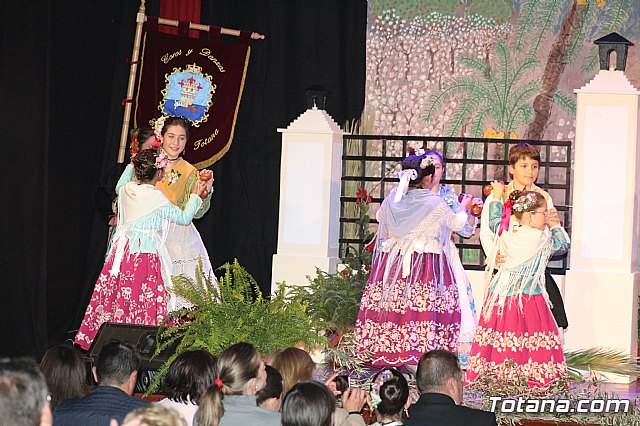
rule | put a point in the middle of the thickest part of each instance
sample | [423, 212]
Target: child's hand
[465, 203]
[498, 189]
[552, 218]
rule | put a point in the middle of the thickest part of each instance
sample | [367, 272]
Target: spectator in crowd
[64, 369]
[389, 395]
[188, 377]
[155, 415]
[439, 380]
[271, 396]
[308, 404]
[231, 400]
[296, 366]
[116, 372]
[23, 394]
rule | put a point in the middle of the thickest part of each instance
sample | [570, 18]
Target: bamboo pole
[207, 28]
[135, 55]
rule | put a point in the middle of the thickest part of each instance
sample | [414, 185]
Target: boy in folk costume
[516, 323]
[524, 166]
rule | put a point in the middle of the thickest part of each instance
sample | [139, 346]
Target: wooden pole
[207, 28]
[135, 55]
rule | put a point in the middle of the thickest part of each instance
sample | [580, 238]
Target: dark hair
[144, 133]
[394, 394]
[308, 404]
[23, 392]
[294, 364]
[116, 361]
[273, 387]
[235, 366]
[175, 121]
[64, 369]
[413, 162]
[521, 151]
[435, 368]
[144, 165]
[189, 376]
[540, 202]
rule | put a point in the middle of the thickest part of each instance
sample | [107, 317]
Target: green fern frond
[475, 64]
[565, 102]
[461, 116]
[528, 12]
[478, 124]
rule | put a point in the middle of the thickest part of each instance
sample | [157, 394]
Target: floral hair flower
[383, 377]
[411, 151]
[420, 152]
[525, 202]
[162, 159]
[218, 382]
[135, 145]
[426, 162]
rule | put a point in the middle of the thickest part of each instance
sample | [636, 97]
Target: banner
[201, 80]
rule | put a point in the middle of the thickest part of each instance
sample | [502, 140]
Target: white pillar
[602, 281]
[309, 221]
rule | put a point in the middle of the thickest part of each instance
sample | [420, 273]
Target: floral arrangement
[135, 144]
[158, 126]
[374, 395]
[172, 176]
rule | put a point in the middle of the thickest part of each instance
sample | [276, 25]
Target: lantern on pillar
[613, 42]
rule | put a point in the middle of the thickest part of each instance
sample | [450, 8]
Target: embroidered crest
[188, 94]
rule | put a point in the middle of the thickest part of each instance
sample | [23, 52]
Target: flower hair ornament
[218, 383]
[426, 162]
[405, 176]
[135, 144]
[384, 377]
[162, 159]
[525, 202]
[158, 125]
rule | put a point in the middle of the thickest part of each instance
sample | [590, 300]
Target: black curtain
[64, 77]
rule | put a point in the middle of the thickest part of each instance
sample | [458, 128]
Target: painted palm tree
[498, 94]
[576, 27]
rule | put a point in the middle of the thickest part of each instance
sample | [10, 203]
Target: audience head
[439, 372]
[389, 394]
[308, 404]
[189, 376]
[270, 397]
[295, 365]
[117, 365]
[239, 371]
[64, 369]
[144, 165]
[423, 166]
[156, 415]
[23, 394]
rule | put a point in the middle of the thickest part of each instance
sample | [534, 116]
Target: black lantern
[610, 43]
[316, 97]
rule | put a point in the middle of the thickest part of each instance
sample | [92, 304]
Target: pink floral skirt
[136, 295]
[400, 321]
[518, 343]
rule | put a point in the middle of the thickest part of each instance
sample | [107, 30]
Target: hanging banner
[201, 80]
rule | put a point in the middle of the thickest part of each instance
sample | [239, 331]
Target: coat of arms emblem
[188, 94]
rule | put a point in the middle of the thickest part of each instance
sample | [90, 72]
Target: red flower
[411, 150]
[344, 272]
[370, 246]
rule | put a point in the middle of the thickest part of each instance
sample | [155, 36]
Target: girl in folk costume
[184, 244]
[516, 323]
[468, 319]
[130, 288]
[410, 303]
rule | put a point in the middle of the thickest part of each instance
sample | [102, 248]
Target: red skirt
[528, 337]
[136, 295]
[399, 322]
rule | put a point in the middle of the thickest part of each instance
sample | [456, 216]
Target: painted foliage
[488, 67]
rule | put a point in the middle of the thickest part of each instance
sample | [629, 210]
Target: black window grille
[372, 162]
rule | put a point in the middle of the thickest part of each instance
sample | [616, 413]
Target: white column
[309, 220]
[602, 281]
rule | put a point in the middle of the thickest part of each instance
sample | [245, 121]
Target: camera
[342, 383]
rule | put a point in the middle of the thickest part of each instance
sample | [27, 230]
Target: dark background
[63, 77]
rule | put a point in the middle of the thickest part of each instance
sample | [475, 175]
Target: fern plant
[233, 312]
